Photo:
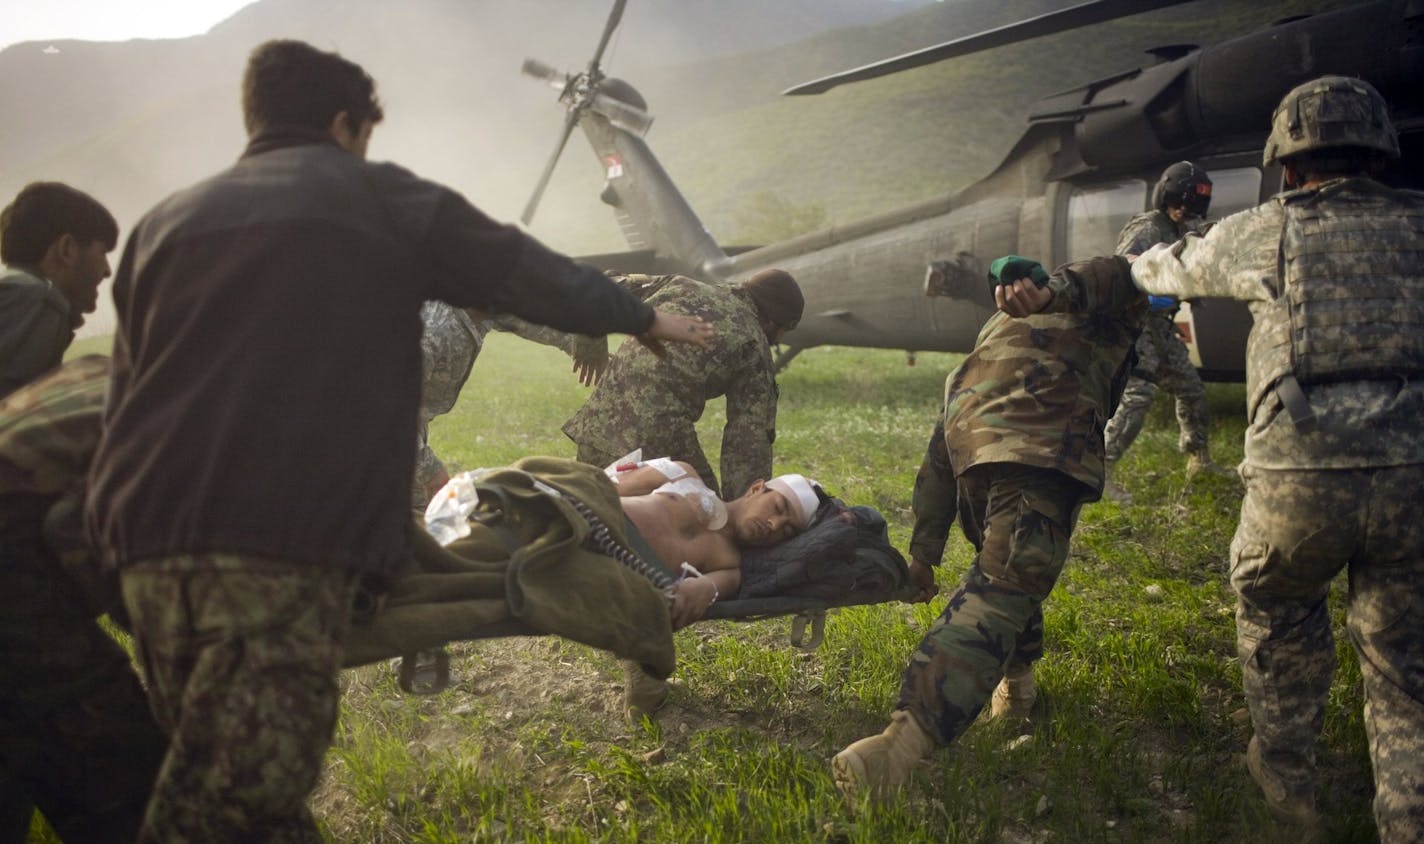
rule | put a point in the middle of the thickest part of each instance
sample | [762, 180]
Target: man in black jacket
[259, 438]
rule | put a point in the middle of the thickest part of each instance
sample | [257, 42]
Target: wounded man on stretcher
[549, 547]
[619, 558]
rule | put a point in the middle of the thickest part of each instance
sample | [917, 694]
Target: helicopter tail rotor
[583, 92]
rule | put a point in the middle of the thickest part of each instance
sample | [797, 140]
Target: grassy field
[1138, 733]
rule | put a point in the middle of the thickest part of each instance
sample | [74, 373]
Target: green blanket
[550, 583]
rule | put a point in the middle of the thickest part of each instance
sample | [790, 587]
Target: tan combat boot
[1014, 696]
[1295, 809]
[878, 765]
[643, 694]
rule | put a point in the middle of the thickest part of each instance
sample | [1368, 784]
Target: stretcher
[547, 533]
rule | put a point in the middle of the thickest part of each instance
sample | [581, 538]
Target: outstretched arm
[1097, 284]
[641, 480]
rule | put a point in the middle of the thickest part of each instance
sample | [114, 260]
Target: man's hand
[923, 579]
[676, 328]
[1022, 298]
[690, 600]
[590, 370]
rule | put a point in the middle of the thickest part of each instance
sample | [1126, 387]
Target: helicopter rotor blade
[544, 72]
[1083, 14]
[614, 16]
[570, 120]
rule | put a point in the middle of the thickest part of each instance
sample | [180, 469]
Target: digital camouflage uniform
[1018, 450]
[1333, 279]
[1162, 359]
[653, 403]
[77, 739]
[449, 344]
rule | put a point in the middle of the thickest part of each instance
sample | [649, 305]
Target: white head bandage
[801, 492]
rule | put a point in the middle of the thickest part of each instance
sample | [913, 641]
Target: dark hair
[292, 83]
[777, 297]
[45, 211]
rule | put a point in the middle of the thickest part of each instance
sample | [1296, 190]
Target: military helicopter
[914, 278]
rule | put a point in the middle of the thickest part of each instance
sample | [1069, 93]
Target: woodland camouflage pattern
[1162, 359]
[76, 735]
[654, 403]
[1038, 391]
[1019, 519]
[1341, 496]
[1021, 451]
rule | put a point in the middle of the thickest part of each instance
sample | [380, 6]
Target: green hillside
[876, 145]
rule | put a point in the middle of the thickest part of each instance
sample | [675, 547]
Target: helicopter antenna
[580, 92]
[1073, 17]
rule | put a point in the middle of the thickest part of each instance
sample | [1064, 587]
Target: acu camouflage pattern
[1162, 359]
[449, 343]
[1340, 497]
[1146, 230]
[1353, 263]
[1038, 391]
[1019, 519]
[1360, 423]
[654, 403]
[1291, 542]
[242, 656]
[77, 739]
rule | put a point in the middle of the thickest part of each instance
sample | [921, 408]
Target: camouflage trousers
[77, 740]
[1019, 519]
[1162, 361]
[242, 656]
[1298, 530]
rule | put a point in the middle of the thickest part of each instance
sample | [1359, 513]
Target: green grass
[1137, 736]
[1138, 733]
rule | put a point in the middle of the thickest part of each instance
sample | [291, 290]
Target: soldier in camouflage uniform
[449, 344]
[653, 402]
[1018, 451]
[1180, 199]
[1333, 271]
[76, 735]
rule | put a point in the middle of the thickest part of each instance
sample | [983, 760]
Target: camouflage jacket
[1361, 423]
[1038, 391]
[1145, 231]
[49, 430]
[654, 403]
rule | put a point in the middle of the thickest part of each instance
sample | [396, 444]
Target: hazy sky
[109, 20]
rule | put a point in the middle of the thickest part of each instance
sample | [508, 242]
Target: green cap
[1011, 268]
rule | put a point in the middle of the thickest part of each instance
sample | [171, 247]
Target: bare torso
[672, 529]
[671, 525]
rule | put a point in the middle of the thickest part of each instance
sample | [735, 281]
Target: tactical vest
[1351, 301]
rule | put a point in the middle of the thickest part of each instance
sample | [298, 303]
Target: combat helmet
[1332, 111]
[1183, 184]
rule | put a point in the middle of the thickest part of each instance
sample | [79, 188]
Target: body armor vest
[1351, 302]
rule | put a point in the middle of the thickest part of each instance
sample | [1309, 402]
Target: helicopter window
[1098, 213]
[1234, 190]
